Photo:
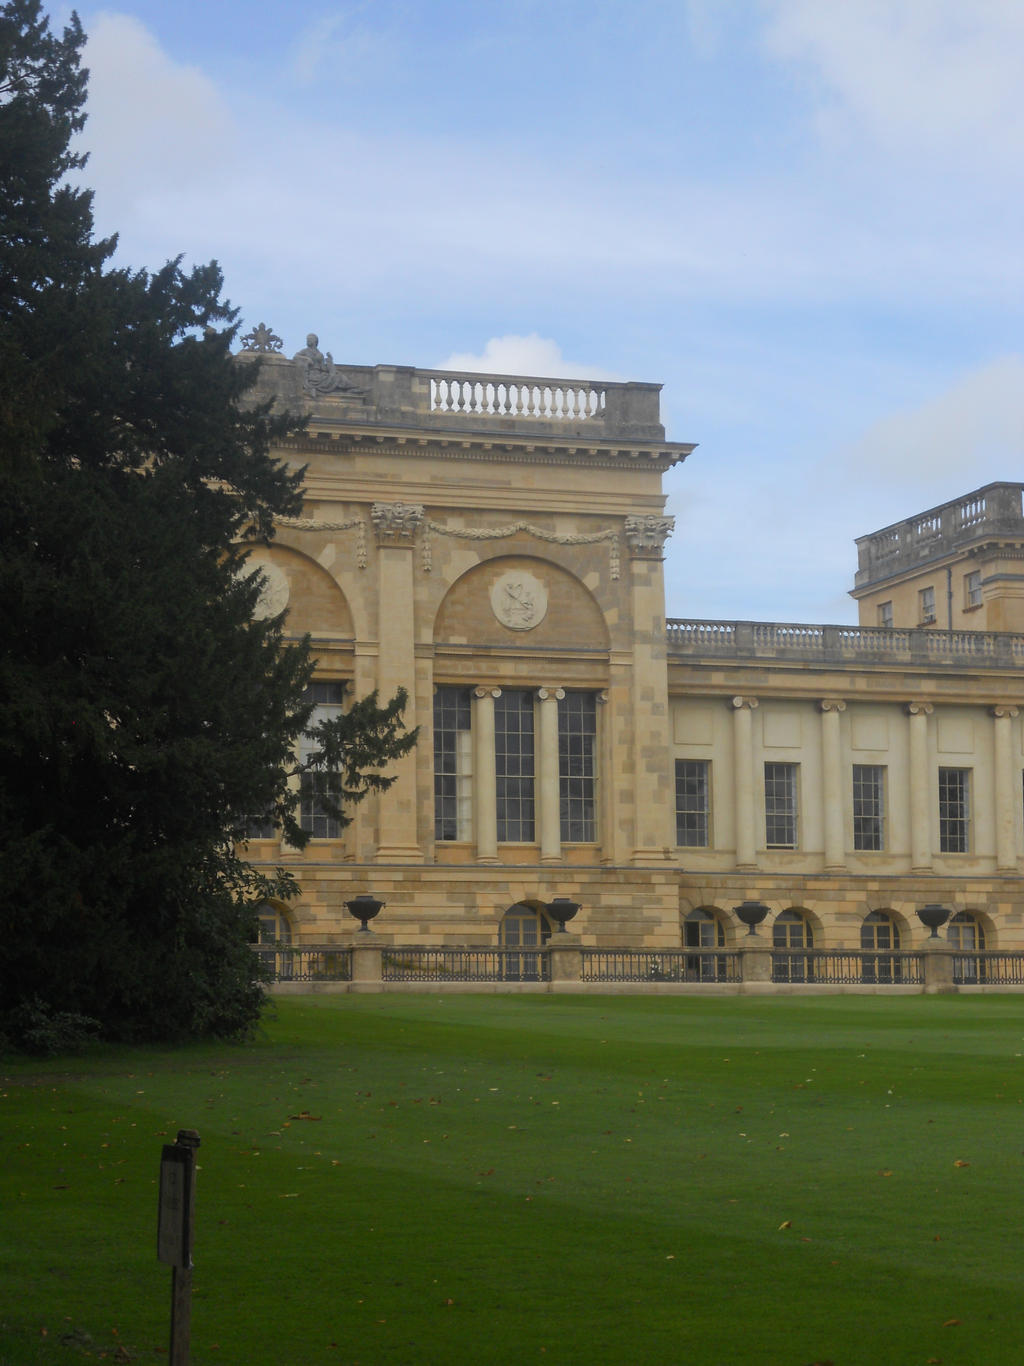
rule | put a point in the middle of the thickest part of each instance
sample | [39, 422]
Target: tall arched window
[966, 937]
[703, 929]
[792, 937]
[879, 936]
[275, 937]
[527, 929]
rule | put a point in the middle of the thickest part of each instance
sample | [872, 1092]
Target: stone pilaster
[653, 824]
[832, 784]
[743, 779]
[1006, 789]
[920, 788]
[396, 525]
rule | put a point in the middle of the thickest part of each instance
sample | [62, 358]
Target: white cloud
[155, 126]
[341, 46]
[529, 355]
[969, 435]
[922, 75]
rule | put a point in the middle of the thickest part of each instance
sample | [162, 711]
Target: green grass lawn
[469, 1179]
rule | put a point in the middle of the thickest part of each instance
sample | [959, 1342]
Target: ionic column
[396, 525]
[832, 784]
[1005, 787]
[548, 805]
[485, 808]
[920, 788]
[743, 779]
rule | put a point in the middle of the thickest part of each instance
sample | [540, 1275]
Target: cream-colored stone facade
[494, 545]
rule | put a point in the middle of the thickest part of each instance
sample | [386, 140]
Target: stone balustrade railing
[462, 401]
[993, 510]
[551, 400]
[847, 644]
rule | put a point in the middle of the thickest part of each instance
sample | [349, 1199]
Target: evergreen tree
[144, 712]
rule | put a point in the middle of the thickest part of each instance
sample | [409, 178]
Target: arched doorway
[525, 929]
[879, 937]
[792, 938]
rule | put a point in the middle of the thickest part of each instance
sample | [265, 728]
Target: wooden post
[174, 1234]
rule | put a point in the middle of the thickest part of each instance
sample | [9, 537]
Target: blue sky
[804, 218]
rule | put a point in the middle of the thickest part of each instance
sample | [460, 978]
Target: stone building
[494, 544]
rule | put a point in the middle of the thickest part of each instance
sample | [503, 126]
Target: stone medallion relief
[519, 600]
[273, 598]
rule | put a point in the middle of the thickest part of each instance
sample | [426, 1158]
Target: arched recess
[968, 937]
[314, 601]
[792, 941]
[881, 938]
[704, 929]
[524, 928]
[520, 602]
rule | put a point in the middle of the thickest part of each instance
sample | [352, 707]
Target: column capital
[396, 524]
[828, 704]
[551, 694]
[646, 535]
[1001, 709]
[486, 692]
[740, 702]
[918, 708]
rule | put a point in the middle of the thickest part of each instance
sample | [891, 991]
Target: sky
[802, 218]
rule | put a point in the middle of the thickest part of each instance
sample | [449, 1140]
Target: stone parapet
[994, 510]
[843, 645]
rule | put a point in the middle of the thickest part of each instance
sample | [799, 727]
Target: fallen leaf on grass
[788, 1224]
[961, 1163]
[951, 1323]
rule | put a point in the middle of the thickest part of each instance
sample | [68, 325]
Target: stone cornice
[642, 456]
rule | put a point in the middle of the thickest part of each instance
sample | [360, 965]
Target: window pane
[954, 810]
[780, 806]
[513, 766]
[868, 806]
[452, 764]
[313, 815]
[577, 769]
[693, 802]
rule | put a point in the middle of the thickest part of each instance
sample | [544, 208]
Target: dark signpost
[174, 1233]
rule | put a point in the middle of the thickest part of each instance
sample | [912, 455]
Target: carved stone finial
[262, 338]
[646, 534]
[319, 373]
[396, 523]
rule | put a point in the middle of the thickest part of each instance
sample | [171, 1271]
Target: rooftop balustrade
[995, 510]
[843, 644]
[458, 400]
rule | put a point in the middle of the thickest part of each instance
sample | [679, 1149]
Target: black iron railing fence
[843, 967]
[660, 965]
[990, 968]
[306, 963]
[561, 963]
[465, 965]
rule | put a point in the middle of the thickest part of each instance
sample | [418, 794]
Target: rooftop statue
[319, 374]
